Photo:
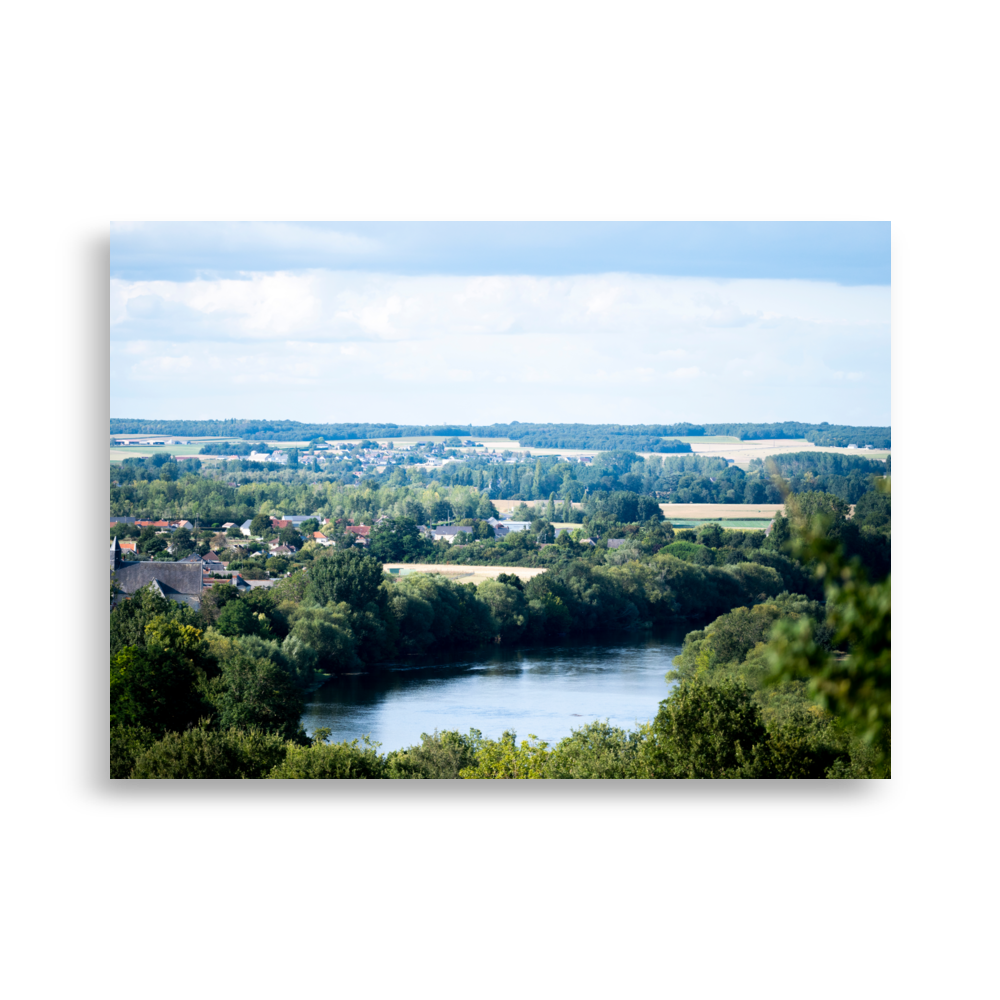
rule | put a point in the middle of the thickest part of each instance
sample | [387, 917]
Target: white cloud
[622, 347]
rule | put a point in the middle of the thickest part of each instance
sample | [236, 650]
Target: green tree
[856, 687]
[504, 759]
[708, 730]
[485, 508]
[239, 618]
[440, 755]
[202, 753]
[345, 575]
[357, 759]
[260, 525]
[255, 692]
[507, 606]
[158, 688]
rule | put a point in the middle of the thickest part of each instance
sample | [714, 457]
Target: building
[177, 581]
[516, 526]
[449, 534]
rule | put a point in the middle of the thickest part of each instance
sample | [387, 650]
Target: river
[547, 690]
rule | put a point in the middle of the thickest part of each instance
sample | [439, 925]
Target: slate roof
[176, 580]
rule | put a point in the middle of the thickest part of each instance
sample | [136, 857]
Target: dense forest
[786, 673]
[614, 437]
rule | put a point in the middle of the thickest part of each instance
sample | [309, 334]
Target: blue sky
[476, 322]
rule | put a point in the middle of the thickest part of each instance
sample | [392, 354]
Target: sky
[484, 322]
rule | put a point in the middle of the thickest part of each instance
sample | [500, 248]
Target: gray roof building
[176, 581]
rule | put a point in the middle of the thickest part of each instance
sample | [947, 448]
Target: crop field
[741, 525]
[714, 511]
[461, 574]
[145, 450]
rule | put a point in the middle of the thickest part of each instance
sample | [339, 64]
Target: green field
[748, 524]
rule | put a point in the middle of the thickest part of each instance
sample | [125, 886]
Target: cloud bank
[342, 345]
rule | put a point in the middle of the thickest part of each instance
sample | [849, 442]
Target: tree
[130, 618]
[398, 539]
[508, 607]
[856, 687]
[238, 618]
[157, 687]
[331, 760]
[345, 575]
[708, 730]
[234, 532]
[260, 524]
[441, 755]
[256, 692]
[504, 759]
[485, 508]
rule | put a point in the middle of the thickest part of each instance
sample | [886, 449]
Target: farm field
[714, 511]
[740, 525]
[743, 451]
[144, 451]
[462, 574]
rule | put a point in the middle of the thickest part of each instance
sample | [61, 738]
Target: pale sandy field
[466, 574]
[708, 511]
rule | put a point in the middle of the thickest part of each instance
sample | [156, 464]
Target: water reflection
[546, 690]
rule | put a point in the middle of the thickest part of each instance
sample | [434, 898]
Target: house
[174, 525]
[277, 525]
[128, 546]
[122, 520]
[177, 581]
[359, 530]
[159, 525]
[451, 533]
[560, 531]
[616, 543]
[245, 528]
[298, 519]
[283, 550]
[228, 525]
[516, 526]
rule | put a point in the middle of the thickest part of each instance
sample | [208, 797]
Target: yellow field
[466, 574]
[710, 511]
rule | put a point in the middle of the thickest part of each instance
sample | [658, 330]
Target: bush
[128, 743]
[332, 760]
[441, 755]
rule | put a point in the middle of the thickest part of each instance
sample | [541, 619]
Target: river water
[547, 690]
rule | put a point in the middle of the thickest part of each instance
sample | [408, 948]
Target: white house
[449, 534]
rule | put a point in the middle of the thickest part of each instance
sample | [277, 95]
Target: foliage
[345, 576]
[504, 758]
[204, 753]
[254, 691]
[440, 755]
[857, 686]
[128, 743]
[331, 760]
[708, 731]
[599, 750]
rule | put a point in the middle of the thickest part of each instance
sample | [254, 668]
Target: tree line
[528, 434]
